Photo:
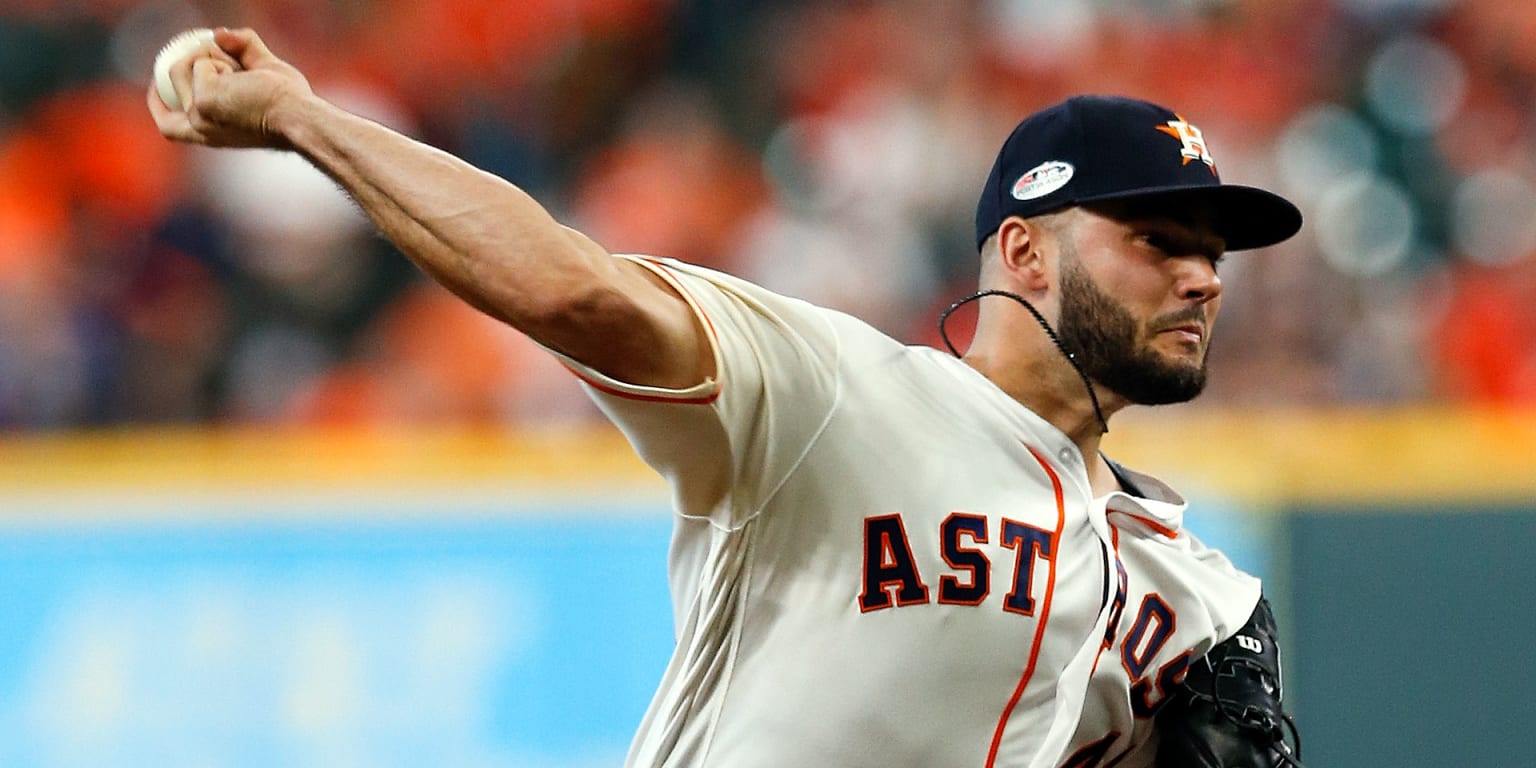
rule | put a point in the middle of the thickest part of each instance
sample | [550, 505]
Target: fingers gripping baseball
[249, 50]
[230, 90]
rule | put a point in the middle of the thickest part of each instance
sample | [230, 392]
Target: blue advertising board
[528, 635]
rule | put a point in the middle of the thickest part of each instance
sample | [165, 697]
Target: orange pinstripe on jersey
[605, 389]
[1153, 524]
[1045, 614]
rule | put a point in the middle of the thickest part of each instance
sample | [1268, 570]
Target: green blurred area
[1409, 632]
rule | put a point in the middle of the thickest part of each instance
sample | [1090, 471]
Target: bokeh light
[1415, 85]
[1365, 225]
[1320, 147]
[1493, 218]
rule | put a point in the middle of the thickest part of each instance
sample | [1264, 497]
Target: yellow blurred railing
[1394, 456]
[1339, 455]
[299, 459]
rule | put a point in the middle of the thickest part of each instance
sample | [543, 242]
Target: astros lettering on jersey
[881, 559]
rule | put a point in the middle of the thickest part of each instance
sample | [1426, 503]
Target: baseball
[178, 48]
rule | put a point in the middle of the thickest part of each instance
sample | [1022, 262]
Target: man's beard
[1102, 334]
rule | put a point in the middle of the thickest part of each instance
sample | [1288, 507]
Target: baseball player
[883, 555]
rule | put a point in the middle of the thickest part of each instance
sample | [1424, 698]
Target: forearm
[483, 238]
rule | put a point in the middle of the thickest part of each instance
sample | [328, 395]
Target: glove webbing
[1240, 707]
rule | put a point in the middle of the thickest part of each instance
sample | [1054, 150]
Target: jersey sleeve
[1231, 592]
[1156, 512]
[726, 444]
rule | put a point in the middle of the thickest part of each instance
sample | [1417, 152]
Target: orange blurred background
[830, 150]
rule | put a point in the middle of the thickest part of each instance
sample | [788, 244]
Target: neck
[1035, 368]
[1062, 402]
[1048, 385]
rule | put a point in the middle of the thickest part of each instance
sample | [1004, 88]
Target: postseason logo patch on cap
[1042, 180]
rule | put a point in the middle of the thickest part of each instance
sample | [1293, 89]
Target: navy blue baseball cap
[1091, 149]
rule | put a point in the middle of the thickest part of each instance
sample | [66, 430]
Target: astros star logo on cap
[1194, 141]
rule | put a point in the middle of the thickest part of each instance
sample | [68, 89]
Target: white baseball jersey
[881, 559]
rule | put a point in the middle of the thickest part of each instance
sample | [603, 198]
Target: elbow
[603, 327]
[586, 305]
[616, 321]
[583, 308]
[578, 313]
[540, 290]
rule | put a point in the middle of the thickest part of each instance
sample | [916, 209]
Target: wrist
[286, 120]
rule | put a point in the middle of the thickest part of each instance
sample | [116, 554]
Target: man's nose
[1197, 279]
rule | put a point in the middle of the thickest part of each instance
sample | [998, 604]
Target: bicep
[629, 324]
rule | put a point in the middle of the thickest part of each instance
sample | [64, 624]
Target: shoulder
[692, 277]
[723, 298]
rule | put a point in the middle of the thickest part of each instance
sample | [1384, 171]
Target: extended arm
[481, 237]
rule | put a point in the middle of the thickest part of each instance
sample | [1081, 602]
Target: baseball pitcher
[884, 555]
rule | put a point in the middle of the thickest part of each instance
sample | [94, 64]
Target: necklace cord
[1049, 332]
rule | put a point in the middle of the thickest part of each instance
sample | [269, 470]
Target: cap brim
[1245, 217]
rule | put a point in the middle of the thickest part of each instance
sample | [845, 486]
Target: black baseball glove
[1228, 713]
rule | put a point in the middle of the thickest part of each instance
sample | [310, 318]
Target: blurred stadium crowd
[830, 149]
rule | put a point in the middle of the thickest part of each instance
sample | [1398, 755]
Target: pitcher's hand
[233, 95]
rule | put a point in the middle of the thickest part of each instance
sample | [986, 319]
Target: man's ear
[1022, 245]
